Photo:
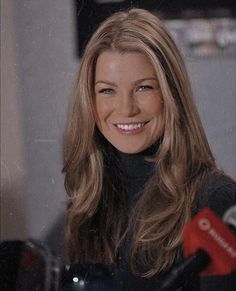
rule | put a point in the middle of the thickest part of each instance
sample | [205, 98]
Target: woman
[137, 162]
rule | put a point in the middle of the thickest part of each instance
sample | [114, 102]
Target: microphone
[31, 265]
[209, 248]
[229, 218]
[28, 265]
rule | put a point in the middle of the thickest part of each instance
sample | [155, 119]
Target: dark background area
[89, 13]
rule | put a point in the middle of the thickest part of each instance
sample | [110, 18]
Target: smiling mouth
[130, 126]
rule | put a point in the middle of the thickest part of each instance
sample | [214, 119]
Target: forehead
[116, 65]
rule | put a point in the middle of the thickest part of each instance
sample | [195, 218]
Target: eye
[143, 88]
[107, 91]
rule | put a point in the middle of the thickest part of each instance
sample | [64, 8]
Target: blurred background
[42, 42]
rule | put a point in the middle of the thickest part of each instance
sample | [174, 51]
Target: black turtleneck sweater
[134, 171]
[217, 193]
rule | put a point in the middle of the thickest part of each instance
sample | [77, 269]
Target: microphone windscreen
[229, 218]
[207, 232]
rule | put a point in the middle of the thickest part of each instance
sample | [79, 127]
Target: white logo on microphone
[204, 224]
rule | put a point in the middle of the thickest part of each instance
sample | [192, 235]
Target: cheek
[155, 107]
[99, 108]
[156, 110]
[102, 110]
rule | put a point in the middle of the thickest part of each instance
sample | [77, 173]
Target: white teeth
[129, 127]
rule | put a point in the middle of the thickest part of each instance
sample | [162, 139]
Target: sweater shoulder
[218, 192]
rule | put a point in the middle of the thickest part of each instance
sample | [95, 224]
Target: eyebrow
[145, 79]
[105, 82]
[135, 82]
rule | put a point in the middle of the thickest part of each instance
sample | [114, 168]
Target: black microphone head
[28, 265]
[10, 254]
[89, 277]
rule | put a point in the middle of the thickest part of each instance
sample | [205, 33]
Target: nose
[127, 105]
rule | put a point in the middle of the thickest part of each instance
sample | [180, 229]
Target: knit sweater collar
[136, 166]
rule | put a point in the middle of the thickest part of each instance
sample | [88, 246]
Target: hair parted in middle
[182, 162]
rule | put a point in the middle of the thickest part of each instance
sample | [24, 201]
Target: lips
[130, 127]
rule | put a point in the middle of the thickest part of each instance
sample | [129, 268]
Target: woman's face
[128, 101]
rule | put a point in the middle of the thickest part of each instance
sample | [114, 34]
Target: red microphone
[209, 249]
[207, 232]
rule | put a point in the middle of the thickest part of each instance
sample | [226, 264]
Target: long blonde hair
[183, 160]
